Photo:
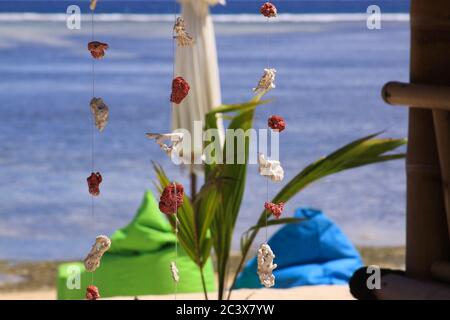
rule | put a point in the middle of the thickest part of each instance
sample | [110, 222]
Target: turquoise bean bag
[312, 252]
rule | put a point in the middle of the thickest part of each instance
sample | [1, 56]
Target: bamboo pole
[425, 96]
[427, 238]
[442, 128]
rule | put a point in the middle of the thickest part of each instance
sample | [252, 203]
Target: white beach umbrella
[198, 65]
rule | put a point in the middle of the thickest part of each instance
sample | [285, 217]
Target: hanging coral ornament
[270, 168]
[94, 181]
[183, 38]
[176, 138]
[100, 111]
[276, 123]
[275, 209]
[101, 245]
[174, 271]
[97, 49]
[268, 10]
[92, 293]
[180, 89]
[267, 81]
[171, 198]
[266, 266]
[93, 5]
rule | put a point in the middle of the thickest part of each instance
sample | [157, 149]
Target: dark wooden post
[427, 225]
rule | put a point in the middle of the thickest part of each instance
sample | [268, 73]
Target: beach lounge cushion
[138, 262]
[312, 252]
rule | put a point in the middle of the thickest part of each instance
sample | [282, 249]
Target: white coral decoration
[270, 168]
[266, 266]
[100, 111]
[174, 270]
[183, 38]
[267, 81]
[176, 138]
[101, 245]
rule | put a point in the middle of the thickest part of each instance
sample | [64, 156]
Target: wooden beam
[427, 236]
[418, 95]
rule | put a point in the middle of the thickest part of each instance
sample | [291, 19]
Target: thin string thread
[173, 37]
[93, 95]
[175, 185]
[268, 43]
[176, 238]
[268, 66]
[93, 135]
[267, 199]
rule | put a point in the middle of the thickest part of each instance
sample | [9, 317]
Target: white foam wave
[221, 18]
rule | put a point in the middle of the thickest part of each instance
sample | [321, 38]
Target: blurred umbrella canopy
[198, 65]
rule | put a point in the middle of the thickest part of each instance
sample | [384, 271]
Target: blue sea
[330, 70]
[232, 7]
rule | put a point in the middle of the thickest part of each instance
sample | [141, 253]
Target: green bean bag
[138, 262]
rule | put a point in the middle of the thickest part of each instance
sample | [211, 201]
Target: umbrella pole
[427, 238]
[193, 185]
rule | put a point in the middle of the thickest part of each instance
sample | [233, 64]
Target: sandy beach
[36, 281]
[300, 293]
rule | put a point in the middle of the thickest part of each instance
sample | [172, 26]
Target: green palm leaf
[209, 221]
[364, 151]
[221, 197]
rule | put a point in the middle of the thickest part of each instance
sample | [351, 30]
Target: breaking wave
[221, 18]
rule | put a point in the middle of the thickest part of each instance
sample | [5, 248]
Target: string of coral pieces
[100, 113]
[271, 169]
[172, 196]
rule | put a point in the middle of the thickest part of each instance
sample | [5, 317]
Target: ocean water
[232, 6]
[328, 88]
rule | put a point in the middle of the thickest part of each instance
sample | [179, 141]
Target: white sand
[299, 293]
[49, 294]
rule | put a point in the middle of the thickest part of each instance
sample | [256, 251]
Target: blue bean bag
[312, 252]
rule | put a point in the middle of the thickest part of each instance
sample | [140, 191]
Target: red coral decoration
[92, 293]
[171, 198]
[275, 209]
[268, 10]
[94, 181]
[276, 123]
[180, 89]
[97, 49]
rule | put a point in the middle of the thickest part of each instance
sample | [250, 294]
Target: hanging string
[268, 67]
[173, 38]
[268, 43]
[93, 136]
[176, 239]
[267, 200]
[175, 185]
